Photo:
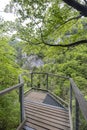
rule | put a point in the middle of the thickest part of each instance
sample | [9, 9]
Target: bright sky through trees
[6, 16]
[3, 3]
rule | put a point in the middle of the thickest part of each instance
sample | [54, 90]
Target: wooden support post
[47, 81]
[71, 98]
[21, 96]
[21, 99]
[76, 115]
[31, 80]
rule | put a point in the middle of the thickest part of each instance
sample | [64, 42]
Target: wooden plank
[47, 107]
[36, 96]
[60, 115]
[45, 123]
[46, 118]
[82, 102]
[48, 110]
[49, 115]
[36, 127]
[39, 126]
[42, 116]
[36, 124]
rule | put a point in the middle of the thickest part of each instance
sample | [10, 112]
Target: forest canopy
[53, 23]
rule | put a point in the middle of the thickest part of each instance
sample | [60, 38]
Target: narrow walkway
[44, 113]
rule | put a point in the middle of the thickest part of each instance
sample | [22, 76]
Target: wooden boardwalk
[43, 116]
[42, 110]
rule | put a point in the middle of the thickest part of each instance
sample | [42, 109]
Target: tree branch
[76, 5]
[67, 45]
[85, 1]
[73, 18]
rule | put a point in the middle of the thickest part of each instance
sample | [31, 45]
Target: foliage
[9, 111]
[45, 22]
[70, 63]
[9, 71]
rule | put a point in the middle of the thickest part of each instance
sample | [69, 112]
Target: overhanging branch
[73, 18]
[85, 1]
[76, 5]
[67, 45]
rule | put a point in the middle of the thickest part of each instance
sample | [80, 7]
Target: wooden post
[70, 98]
[47, 81]
[31, 80]
[21, 94]
[21, 99]
[76, 115]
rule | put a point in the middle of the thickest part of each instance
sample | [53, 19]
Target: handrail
[66, 77]
[82, 102]
[60, 76]
[21, 96]
[47, 77]
[7, 90]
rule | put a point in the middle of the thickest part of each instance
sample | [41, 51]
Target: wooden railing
[65, 104]
[21, 97]
[47, 77]
[80, 102]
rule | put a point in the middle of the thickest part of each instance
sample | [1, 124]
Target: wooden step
[34, 126]
[40, 116]
[48, 108]
[46, 118]
[36, 96]
[44, 124]
[49, 115]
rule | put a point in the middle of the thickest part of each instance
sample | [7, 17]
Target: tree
[9, 72]
[45, 22]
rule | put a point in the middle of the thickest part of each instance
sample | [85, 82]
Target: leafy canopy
[50, 22]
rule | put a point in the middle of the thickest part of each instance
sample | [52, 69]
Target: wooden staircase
[41, 116]
[42, 110]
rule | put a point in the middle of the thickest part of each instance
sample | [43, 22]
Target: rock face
[24, 60]
[32, 61]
